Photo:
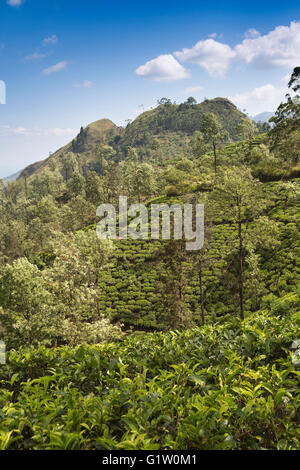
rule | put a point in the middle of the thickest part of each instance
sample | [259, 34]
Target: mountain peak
[172, 124]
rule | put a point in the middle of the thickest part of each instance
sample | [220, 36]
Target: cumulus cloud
[164, 68]
[278, 48]
[56, 68]
[260, 99]
[213, 56]
[14, 3]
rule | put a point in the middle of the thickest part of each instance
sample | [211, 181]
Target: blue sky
[67, 63]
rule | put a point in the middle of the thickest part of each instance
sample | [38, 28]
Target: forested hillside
[142, 344]
[164, 131]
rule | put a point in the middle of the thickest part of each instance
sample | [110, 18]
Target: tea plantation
[232, 385]
[144, 344]
[133, 288]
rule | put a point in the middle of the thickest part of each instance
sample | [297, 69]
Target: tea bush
[233, 385]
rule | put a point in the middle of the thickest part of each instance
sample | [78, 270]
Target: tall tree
[209, 137]
[69, 165]
[173, 281]
[202, 261]
[247, 129]
[138, 179]
[285, 133]
[240, 200]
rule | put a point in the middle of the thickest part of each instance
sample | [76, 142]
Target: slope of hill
[168, 129]
[84, 145]
[184, 118]
[168, 126]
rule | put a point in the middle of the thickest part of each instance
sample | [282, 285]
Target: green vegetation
[133, 344]
[232, 385]
[164, 131]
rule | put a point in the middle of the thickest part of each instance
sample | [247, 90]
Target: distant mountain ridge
[166, 129]
[12, 177]
[263, 117]
[95, 134]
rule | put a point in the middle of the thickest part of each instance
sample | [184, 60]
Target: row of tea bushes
[233, 385]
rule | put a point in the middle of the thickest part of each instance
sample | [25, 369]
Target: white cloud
[21, 131]
[252, 33]
[57, 131]
[278, 48]
[163, 68]
[215, 35]
[41, 55]
[25, 131]
[14, 3]
[260, 99]
[192, 89]
[50, 40]
[85, 84]
[213, 56]
[35, 132]
[35, 56]
[56, 68]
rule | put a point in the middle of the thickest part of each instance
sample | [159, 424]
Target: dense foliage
[132, 344]
[232, 385]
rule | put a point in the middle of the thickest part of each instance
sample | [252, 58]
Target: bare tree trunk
[241, 279]
[201, 295]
